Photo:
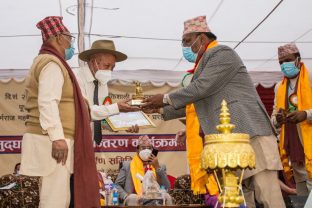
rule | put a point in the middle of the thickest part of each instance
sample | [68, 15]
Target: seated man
[128, 185]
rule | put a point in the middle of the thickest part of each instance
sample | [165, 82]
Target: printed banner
[115, 147]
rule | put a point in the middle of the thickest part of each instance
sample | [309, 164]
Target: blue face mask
[69, 52]
[189, 54]
[289, 69]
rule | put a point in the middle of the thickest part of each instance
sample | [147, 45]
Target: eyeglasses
[188, 43]
[72, 38]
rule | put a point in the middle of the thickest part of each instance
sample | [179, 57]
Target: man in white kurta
[47, 145]
[36, 147]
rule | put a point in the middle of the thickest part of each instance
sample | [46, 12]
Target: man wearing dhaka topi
[58, 139]
[219, 74]
[292, 114]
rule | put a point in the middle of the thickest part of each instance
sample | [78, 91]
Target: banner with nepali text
[115, 146]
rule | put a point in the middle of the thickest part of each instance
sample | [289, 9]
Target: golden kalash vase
[227, 155]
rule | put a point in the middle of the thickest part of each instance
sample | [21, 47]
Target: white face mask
[145, 154]
[104, 76]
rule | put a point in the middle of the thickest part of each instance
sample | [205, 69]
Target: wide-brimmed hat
[102, 46]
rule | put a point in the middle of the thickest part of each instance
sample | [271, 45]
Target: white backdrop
[149, 31]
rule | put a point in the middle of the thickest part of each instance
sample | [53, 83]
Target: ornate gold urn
[225, 154]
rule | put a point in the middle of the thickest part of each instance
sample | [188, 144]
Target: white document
[123, 121]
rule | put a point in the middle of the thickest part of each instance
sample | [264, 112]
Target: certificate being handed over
[124, 121]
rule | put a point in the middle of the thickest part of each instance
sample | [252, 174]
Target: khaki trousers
[262, 182]
[55, 189]
[264, 187]
[303, 182]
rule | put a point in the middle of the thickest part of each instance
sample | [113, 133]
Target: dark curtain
[267, 97]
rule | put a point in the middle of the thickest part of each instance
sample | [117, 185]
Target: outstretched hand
[125, 107]
[155, 101]
[151, 110]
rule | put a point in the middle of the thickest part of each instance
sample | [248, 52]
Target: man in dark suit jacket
[221, 74]
[126, 181]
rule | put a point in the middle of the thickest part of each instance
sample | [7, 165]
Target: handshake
[148, 105]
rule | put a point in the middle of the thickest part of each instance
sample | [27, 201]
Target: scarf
[200, 179]
[137, 167]
[292, 143]
[86, 185]
[304, 94]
